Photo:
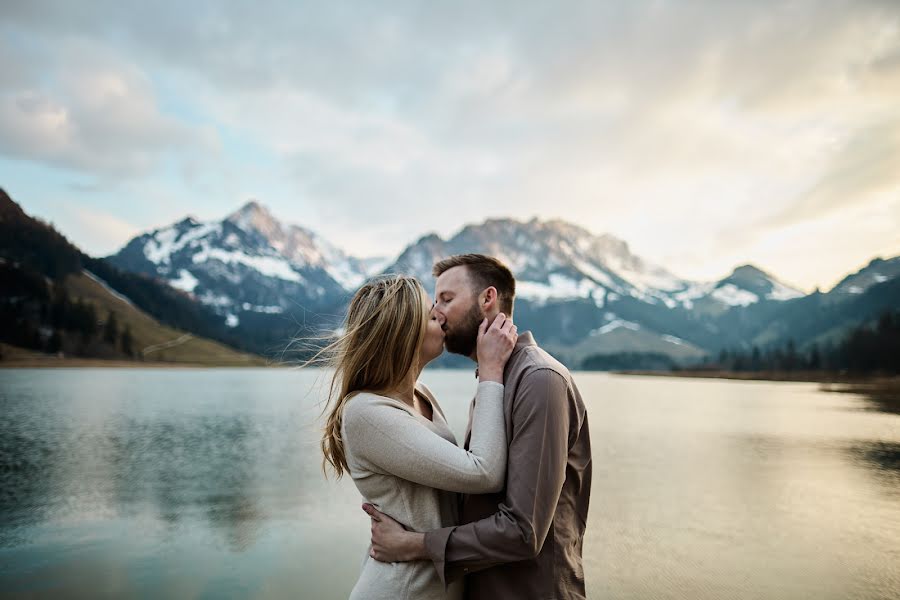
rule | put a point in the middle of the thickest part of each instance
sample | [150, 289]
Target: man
[526, 541]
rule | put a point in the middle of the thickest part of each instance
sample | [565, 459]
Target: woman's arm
[393, 442]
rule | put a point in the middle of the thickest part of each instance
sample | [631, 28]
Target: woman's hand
[495, 344]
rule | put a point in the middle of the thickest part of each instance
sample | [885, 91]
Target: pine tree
[127, 341]
[755, 359]
[111, 331]
[790, 358]
[55, 343]
[815, 358]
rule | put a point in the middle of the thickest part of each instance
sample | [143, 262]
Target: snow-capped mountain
[877, 271]
[248, 262]
[587, 294]
[583, 295]
[555, 260]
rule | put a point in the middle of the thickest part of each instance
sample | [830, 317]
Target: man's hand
[391, 542]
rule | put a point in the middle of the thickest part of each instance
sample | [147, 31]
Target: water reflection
[882, 460]
[207, 483]
[884, 403]
[26, 462]
[71, 464]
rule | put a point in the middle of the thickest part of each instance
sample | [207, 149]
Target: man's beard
[463, 338]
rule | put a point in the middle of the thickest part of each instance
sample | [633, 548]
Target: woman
[388, 432]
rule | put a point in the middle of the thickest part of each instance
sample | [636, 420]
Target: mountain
[585, 296]
[824, 318]
[877, 271]
[54, 298]
[555, 260]
[246, 265]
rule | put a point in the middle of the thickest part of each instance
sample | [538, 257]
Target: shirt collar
[525, 339]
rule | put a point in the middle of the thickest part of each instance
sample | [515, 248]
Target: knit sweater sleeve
[392, 441]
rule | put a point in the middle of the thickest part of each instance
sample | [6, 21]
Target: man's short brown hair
[484, 271]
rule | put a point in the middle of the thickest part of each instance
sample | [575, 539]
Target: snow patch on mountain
[732, 295]
[270, 266]
[615, 324]
[781, 292]
[560, 287]
[210, 298]
[694, 291]
[166, 242]
[269, 310]
[186, 282]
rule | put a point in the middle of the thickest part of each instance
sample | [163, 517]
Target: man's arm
[538, 452]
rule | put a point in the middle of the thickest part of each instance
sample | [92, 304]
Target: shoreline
[13, 357]
[779, 376]
[884, 390]
[834, 382]
[99, 363]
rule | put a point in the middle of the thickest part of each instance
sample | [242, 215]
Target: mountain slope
[246, 265]
[49, 300]
[151, 340]
[571, 282]
[264, 277]
[877, 271]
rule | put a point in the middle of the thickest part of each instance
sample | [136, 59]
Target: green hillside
[55, 300]
[152, 341]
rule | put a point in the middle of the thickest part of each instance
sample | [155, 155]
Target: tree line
[35, 309]
[39, 314]
[866, 349]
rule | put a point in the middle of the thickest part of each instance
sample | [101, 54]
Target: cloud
[94, 113]
[107, 232]
[696, 130]
[859, 171]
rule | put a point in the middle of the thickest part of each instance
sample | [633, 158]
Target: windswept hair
[375, 351]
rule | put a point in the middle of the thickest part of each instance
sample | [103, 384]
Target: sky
[705, 134]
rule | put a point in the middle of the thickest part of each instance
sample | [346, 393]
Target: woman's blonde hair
[375, 351]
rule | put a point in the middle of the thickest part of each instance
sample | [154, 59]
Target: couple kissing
[503, 515]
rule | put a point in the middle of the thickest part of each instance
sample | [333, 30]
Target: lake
[185, 483]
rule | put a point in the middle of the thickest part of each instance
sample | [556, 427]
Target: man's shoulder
[534, 359]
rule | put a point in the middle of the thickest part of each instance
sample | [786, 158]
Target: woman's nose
[436, 314]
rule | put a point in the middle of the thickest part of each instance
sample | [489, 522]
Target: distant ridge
[575, 289]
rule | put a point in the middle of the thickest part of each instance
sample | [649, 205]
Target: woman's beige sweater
[409, 467]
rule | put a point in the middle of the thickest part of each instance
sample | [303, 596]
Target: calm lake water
[207, 484]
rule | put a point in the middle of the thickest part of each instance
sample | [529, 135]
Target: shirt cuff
[436, 549]
[492, 384]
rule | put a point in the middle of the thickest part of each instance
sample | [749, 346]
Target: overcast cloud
[706, 134]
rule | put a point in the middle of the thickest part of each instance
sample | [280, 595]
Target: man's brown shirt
[526, 541]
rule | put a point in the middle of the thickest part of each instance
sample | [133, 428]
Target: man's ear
[489, 299]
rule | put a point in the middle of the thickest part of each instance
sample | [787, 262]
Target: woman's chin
[428, 359]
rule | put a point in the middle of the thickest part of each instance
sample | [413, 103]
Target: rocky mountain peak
[255, 216]
[754, 280]
[877, 271]
[749, 271]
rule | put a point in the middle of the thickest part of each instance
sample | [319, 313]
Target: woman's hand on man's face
[495, 344]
